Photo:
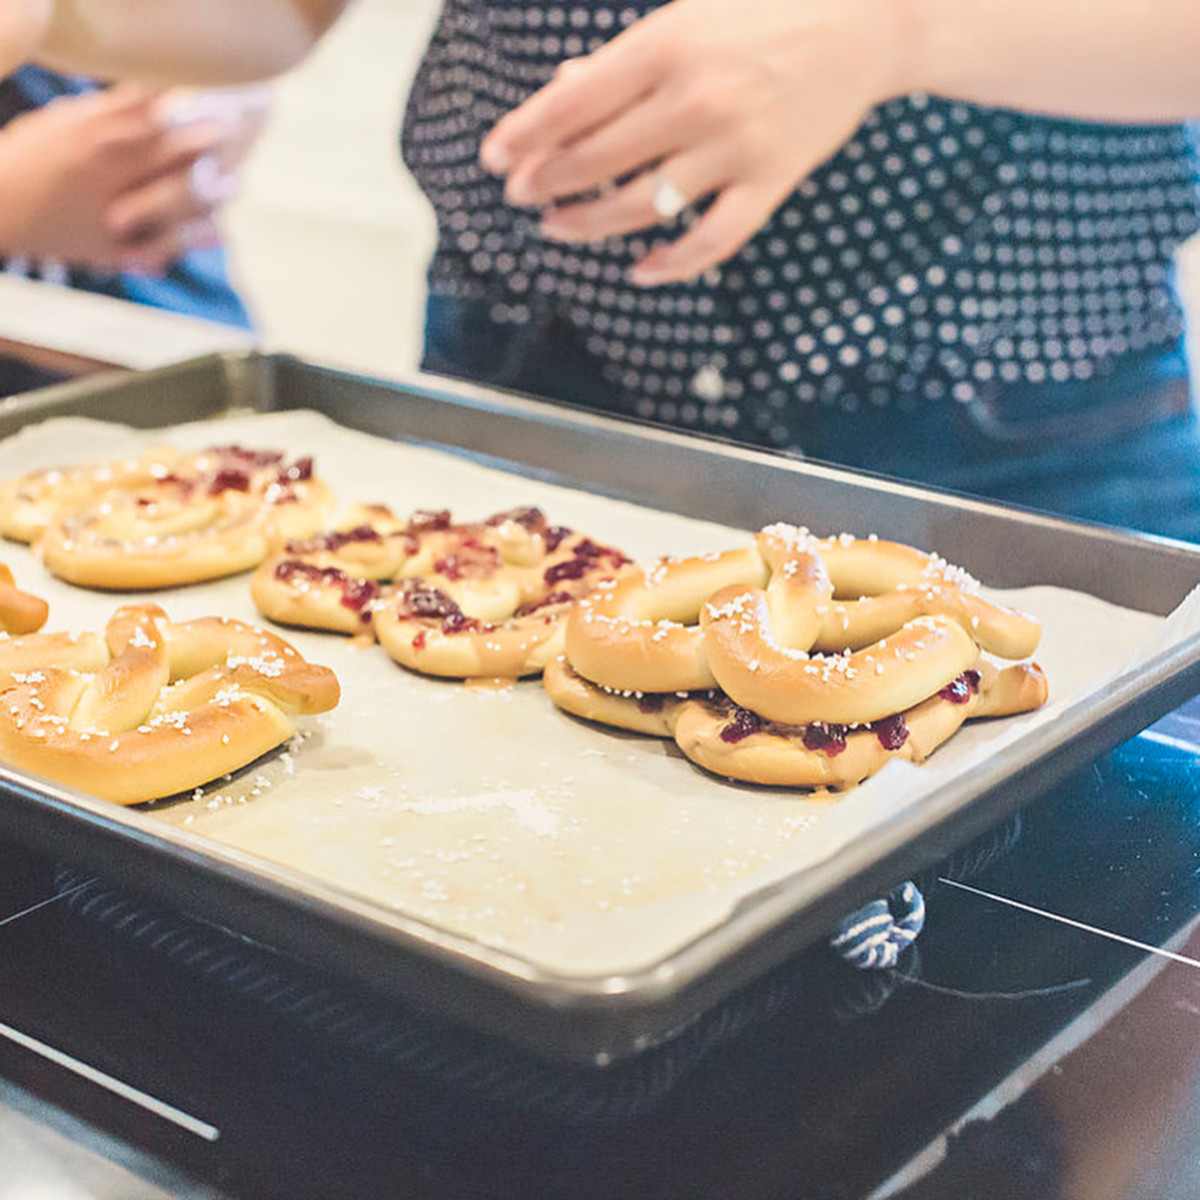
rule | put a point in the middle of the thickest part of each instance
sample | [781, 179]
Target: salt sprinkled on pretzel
[499, 609]
[29, 503]
[332, 580]
[879, 585]
[197, 517]
[152, 708]
[457, 600]
[773, 641]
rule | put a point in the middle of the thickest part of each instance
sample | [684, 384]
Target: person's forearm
[181, 41]
[1104, 60]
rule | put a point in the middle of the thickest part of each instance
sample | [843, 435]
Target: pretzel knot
[152, 707]
[797, 661]
[166, 519]
[457, 600]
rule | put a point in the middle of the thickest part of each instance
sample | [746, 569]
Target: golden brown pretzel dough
[29, 503]
[19, 611]
[464, 600]
[672, 649]
[165, 519]
[152, 708]
[735, 743]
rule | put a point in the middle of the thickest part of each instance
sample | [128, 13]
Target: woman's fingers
[735, 216]
[655, 196]
[584, 95]
[662, 123]
[154, 255]
[176, 148]
[163, 203]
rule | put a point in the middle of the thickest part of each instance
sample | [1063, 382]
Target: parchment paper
[491, 813]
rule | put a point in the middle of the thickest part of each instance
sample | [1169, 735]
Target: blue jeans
[1123, 451]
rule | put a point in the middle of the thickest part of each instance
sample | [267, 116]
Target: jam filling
[472, 558]
[335, 540]
[744, 723]
[530, 518]
[892, 732]
[421, 601]
[428, 520]
[960, 690]
[534, 520]
[298, 472]
[831, 739]
[545, 602]
[585, 558]
[357, 594]
[229, 479]
[251, 458]
[822, 736]
[652, 702]
[459, 622]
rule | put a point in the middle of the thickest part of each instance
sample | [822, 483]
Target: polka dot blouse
[944, 249]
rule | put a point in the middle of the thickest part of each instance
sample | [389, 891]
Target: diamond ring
[668, 200]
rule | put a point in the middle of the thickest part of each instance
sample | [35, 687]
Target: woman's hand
[702, 98]
[104, 181]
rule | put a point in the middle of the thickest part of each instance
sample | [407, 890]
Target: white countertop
[105, 331]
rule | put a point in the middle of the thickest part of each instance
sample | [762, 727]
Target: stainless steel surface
[608, 1016]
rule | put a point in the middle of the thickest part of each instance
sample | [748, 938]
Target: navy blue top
[946, 250]
[196, 285]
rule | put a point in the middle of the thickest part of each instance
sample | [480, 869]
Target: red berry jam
[427, 520]
[420, 600]
[418, 643]
[892, 732]
[830, 739]
[530, 518]
[572, 568]
[298, 472]
[334, 541]
[545, 602]
[960, 690]
[652, 702]
[251, 458]
[459, 622]
[229, 479]
[357, 594]
[744, 723]
[585, 558]
[554, 536]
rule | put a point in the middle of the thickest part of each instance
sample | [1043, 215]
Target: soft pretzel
[152, 707]
[642, 634]
[28, 504]
[879, 586]
[212, 514]
[736, 743]
[670, 649]
[455, 600]
[19, 611]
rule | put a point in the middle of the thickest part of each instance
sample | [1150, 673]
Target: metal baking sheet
[612, 1014]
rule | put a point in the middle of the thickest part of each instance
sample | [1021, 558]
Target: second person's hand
[99, 181]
